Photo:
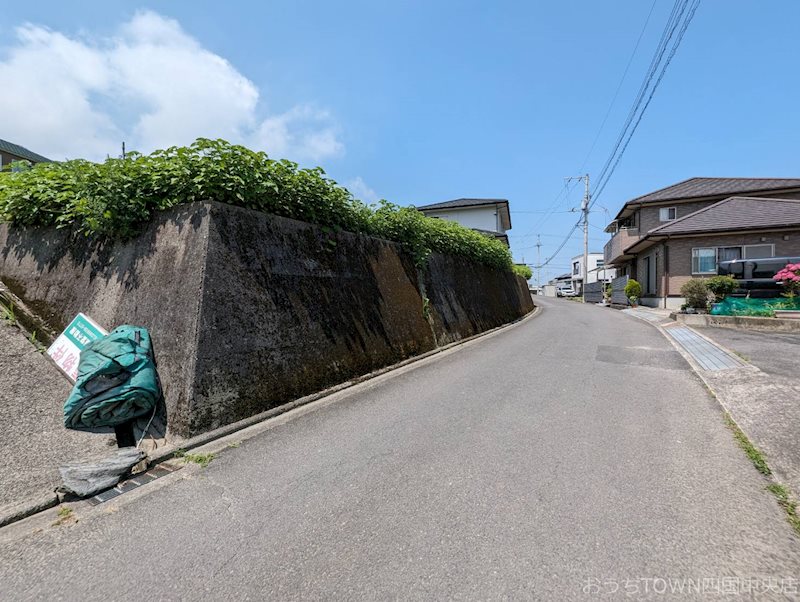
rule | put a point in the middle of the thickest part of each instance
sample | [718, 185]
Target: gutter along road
[559, 457]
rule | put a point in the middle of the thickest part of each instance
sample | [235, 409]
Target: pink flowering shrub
[789, 276]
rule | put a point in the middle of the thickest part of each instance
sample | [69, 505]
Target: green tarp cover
[117, 381]
[744, 306]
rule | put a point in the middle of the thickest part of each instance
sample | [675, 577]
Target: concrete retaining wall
[248, 311]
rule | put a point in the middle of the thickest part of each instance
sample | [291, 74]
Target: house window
[600, 263]
[704, 260]
[759, 251]
[576, 268]
[666, 214]
[728, 253]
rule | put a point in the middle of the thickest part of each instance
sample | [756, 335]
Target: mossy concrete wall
[248, 311]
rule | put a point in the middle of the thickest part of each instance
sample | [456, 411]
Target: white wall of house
[601, 274]
[579, 270]
[481, 218]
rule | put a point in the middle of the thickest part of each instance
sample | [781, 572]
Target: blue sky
[416, 101]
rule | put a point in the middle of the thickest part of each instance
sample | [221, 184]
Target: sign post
[66, 349]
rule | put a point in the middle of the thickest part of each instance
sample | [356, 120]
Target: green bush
[633, 290]
[696, 293]
[721, 286]
[522, 270]
[113, 198]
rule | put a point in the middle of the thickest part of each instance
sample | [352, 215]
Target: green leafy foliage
[112, 199]
[696, 293]
[522, 270]
[721, 286]
[633, 290]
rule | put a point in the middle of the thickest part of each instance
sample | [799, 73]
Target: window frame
[743, 254]
[697, 272]
[667, 209]
[761, 244]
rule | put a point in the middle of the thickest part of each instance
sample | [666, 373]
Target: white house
[579, 272]
[489, 216]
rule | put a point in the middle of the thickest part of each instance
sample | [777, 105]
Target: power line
[679, 19]
[674, 49]
[619, 87]
[655, 61]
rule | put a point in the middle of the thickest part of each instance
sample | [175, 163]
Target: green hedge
[113, 198]
[522, 270]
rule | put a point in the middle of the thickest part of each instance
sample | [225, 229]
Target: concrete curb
[262, 420]
[26, 509]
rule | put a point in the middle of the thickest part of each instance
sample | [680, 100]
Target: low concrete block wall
[743, 322]
[248, 311]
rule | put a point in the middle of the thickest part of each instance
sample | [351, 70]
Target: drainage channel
[706, 354]
[133, 482]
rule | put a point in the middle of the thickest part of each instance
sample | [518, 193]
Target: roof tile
[704, 187]
[21, 151]
[735, 213]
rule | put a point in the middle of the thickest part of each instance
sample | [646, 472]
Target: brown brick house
[666, 237]
[10, 152]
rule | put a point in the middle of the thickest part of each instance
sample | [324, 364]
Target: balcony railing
[624, 238]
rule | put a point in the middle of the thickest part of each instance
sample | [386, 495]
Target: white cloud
[301, 127]
[152, 85]
[361, 191]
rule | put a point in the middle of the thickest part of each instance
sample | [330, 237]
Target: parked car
[566, 292]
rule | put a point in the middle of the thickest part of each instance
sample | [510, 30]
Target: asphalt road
[573, 452]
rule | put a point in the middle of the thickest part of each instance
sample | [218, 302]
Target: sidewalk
[754, 376]
[764, 398]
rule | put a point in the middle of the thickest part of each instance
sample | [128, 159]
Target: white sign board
[66, 349]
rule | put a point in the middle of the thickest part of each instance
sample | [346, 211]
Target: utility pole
[538, 261]
[585, 209]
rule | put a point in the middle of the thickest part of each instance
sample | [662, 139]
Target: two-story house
[10, 152]
[581, 275]
[666, 237]
[488, 216]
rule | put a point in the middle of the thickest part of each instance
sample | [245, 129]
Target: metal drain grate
[143, 478]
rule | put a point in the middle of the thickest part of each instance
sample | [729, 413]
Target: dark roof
[22, 152]
[463, 203]
[704, 187]
[733, 214]
[736, 213]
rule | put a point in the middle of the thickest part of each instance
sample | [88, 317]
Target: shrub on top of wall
[522, 270]
[113, 198]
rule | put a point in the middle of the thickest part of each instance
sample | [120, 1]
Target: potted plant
[633, 291]
[607, 293]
